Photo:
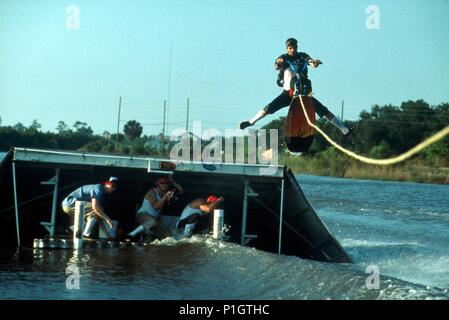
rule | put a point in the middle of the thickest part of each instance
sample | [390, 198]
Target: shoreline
[397, 173]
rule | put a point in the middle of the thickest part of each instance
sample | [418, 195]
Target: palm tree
[132, 129]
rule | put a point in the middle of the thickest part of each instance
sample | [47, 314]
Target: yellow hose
[383, 162]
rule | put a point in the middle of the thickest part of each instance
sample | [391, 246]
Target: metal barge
[265, 209]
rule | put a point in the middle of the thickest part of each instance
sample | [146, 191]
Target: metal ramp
[265, 208]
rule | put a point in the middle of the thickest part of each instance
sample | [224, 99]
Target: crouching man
[93, 195]
[148, 214]
[192, 213]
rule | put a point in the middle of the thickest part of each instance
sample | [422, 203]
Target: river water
[400, 230]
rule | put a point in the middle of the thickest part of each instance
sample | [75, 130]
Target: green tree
[106, 135]
[124, 150]
[19, 127]
[441, 118]
[34, 126]
[132, 130]
[138, 147]
[82, 128]
[438, 153]
[93, 146]
[109, 148]
[380, 151]
[415, 118]
[63, 128]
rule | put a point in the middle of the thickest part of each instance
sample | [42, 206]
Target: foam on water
[352, 243]
[195, 268]
[401, 227]
[262, 275]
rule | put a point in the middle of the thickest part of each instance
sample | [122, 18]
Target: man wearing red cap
[154, 201]
[194, 211]
[93, 195]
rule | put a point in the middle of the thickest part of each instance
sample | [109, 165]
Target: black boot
[244, 125]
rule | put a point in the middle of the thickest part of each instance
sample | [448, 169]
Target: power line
[392, 121]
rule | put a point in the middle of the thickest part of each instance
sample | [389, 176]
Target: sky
[58, 65]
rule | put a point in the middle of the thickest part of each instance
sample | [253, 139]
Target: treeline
[81, 137]
[383, 132]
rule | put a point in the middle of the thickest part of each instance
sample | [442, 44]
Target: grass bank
[332, 163]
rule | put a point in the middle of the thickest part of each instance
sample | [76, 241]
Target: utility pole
[342, 109]
[163, 126]
[169, 82]
[188, 110]
[118, 123]
[342, 113]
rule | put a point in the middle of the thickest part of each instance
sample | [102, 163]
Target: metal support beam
[55, 183]
[248, 192]
[251, 192]
[244, 213]
[281, 216]
[55, 202]
[250, 237]
[16, 202]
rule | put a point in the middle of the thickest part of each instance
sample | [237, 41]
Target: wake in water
[271, 276]
[194, 268]
[402, 228]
